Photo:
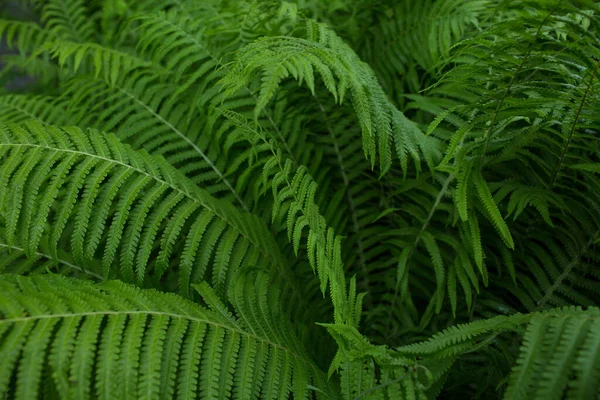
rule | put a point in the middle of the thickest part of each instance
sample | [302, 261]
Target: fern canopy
[265, 199]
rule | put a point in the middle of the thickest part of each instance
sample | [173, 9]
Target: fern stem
[437, 202]
[277, 130]
[110, 160]
[573, 126]
[366, 283]
[558, 282]
[49, 257]
[488, 134]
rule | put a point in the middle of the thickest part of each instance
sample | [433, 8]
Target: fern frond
[116, 340]
[457, 338]
[294, 199]
[183, 51]
[111, 63]
[409, 40]
[68, 19]
[14, 260]
[56, 177]
[142, 111]
[556, 345]
[325, 54]
[25, 36]
[19, 108]
[482, 117]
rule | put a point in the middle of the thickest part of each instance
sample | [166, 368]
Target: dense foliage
[363, 199]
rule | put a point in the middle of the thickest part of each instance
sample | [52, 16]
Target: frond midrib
[59, 260]
[157, 313]
[157, 179]
[187, 140]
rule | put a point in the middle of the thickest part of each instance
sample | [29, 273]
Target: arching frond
[57, 178]
[141, 110]
[323, 54]
[114, 340]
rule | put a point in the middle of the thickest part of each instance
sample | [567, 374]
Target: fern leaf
[335, 61]
[118, 335]
[68, 18]
[491, 208]
[141, 187]
[544, 364]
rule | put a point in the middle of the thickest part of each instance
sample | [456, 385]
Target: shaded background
[12, 9]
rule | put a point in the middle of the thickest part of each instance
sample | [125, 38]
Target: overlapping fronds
[521, 119]
[321, 53]
[294, 192]
[559, 357]
[68, 19]
[410, 40]
[141, 111]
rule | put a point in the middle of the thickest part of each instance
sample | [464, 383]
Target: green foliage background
[363, 199]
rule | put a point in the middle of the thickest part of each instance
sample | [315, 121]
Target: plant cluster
[246, 199]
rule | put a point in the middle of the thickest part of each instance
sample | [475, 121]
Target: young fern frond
[294, 199]
[322, 52]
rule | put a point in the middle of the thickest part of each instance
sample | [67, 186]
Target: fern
[93, 171]
[340, 70]
[88, 336]
[270, 199]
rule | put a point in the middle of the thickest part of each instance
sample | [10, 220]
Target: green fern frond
[407, 39]
[14, 260]
[457, 338]
[184, 49]
[24, 35]
[559, 357]
[53, 177]
[110, 62]
[414, 280]
[68, 19]
[116, 340]
[294, 199]
[325, 54]
[141, 110]
[19, 108]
